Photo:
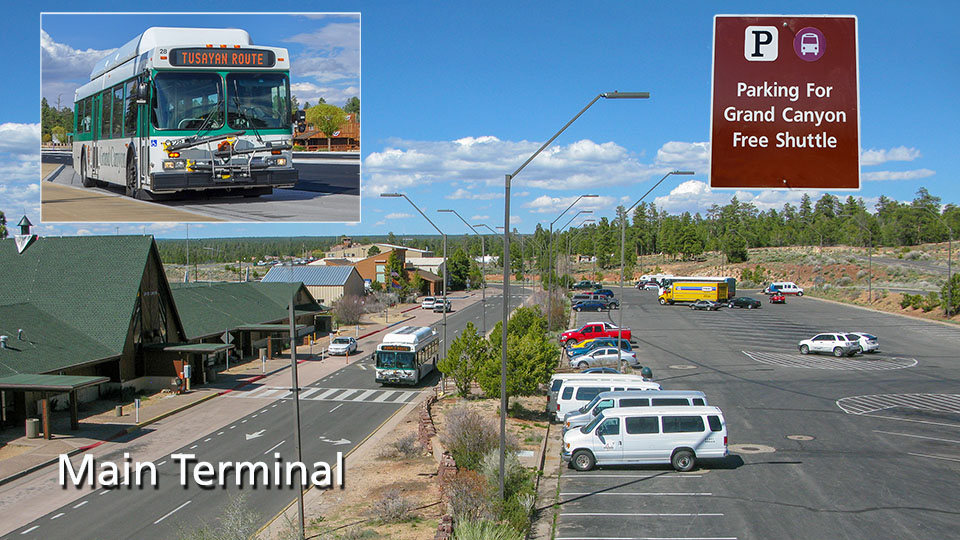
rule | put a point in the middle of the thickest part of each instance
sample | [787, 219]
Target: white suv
[839, 344]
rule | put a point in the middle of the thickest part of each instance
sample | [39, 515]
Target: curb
[345, 456]
[51, 176]
[904, 315]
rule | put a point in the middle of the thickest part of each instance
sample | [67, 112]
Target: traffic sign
[785, 102]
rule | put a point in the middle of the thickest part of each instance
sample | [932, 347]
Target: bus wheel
[132, 188]
[87, 182]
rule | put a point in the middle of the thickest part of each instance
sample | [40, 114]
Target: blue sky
[456, 95]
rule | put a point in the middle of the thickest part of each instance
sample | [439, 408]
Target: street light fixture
[506, 264]
[446, 273]
[483, 266]
[623, 241]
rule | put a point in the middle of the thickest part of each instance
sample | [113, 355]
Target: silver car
[603, 356]
[342, 346]
[867, 342]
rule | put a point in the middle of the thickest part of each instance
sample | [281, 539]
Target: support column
[45, 412]
[74, 411]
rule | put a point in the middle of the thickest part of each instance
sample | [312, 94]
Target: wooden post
[74, 412]
[45, 408]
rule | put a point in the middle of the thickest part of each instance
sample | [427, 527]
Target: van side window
[682, 424]
[698, 401]
[556, 385]
[587, 393]
[642, 424]
[635, 402]
[605, 404]
[659, 402]
[714, 423]
[610, 426]
[567, 392]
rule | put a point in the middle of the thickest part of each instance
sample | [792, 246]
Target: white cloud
[468, 194]
[20, 138]
[311, 93]
[20, 171]
[63, 67]
[879, 176]
[547, 204]
[479, 218]
[332, 53]
[481, 161]
[696, 196]
[686, 155]
[398, 215]
[876, 157]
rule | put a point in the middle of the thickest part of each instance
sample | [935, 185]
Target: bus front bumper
[178, 180]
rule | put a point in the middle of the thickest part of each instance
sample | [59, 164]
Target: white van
[577, 393]
[642, 435]
[643, 398]
[557, 380]
[784, 287]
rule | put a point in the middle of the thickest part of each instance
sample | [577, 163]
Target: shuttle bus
[407, 354]
[187, 109]
[731, 283]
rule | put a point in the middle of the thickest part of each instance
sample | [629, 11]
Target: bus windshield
[185, 100]
[258, 100]
[395, 360]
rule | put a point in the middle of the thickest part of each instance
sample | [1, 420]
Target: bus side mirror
[143, 92]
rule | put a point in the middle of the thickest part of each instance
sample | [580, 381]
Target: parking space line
[170, 513]
[914, 420]
[917, 436]
[635, 514]
[575, 476]
[638, 494]
[934, 457]
[274, 447]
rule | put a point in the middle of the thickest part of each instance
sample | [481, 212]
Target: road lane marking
[254, 416]
[56, 516]
[612, 514]
[274, 447]
[244, 421]
[207, 439]
[935, 457]
[233, 426]
[575, 476]
[161, 463]
[170, 513]
[337, 407]
[194, 446]
[80, 504]
[30, 529]
[646, 538]
[918, 436]
[104, 492]
[635, 494]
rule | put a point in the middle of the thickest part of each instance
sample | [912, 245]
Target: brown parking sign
[786, 102]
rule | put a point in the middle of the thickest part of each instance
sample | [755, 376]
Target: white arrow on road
[335, 443]
[255, 434]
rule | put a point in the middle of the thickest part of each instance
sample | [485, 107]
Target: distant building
[345, 139]
[326, 283]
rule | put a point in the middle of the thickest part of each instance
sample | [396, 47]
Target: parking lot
[821, 447]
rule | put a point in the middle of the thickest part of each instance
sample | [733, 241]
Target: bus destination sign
[207, 57]
[394, 348]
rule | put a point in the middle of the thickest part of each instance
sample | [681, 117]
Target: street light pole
[446, 272]
[483, 266]
[508, 178]
[623, 241]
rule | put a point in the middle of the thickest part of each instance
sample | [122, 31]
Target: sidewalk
[99, 424]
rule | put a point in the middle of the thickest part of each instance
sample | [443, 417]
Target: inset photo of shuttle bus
[202, 123]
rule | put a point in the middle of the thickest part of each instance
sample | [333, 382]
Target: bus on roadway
[406, 355]
[187, 109]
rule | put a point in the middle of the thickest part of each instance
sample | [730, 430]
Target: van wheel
[583, 460]
[838, 352]
[804, 349]
[683, 460]
[663, 302]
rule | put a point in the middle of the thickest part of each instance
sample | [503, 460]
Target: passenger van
[647, 435]
[558, 379]
[577, 393]
[587, 297]
[644, 398]
[784, 287]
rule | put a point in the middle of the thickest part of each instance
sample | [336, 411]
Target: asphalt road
[853, 448]
[328, 191]
[337, 412]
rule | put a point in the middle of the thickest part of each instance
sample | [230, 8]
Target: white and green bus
[187, 109]
[407, 354]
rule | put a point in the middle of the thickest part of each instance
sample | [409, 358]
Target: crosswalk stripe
[383, 396]
[327, 394]
[365, 395]
[314, 393]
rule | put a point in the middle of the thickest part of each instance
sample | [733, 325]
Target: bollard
[118, 410]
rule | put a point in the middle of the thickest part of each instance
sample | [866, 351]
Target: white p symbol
[760, 43]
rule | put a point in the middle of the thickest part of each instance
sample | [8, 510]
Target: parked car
[592, 330]
[442, 305]
[606, 292]
[590, 305]
[611, 302]
[342, 346]
[428, 302]
[777, 298]
[707, 305]
[839, 344]
[603, 355]
[601, 370]
[591, 344]
[867, 342]
[647, 285]
[744, 302]
[585, 285]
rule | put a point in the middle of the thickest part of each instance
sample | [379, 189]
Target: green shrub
[483, 529]
[905, 300]
[931, 302]
[468, 436]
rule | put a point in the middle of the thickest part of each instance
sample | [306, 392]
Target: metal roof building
[326, 283]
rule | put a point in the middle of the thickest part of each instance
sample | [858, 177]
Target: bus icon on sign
[809, 44]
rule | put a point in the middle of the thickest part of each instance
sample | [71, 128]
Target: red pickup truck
[594, 330]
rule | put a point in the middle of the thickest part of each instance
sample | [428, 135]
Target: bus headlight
[169, 164]
[280, 161]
